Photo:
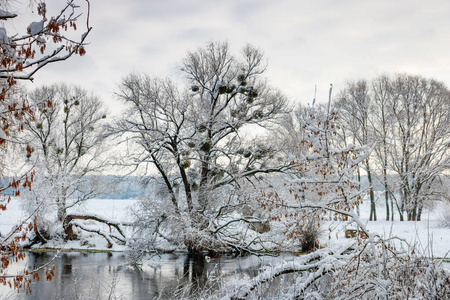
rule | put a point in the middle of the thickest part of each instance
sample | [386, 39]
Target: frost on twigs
[12, 242]
[323, 187]
[192, 137]
[66, 142]
[309, 268]
[22, 54]
[370, 268]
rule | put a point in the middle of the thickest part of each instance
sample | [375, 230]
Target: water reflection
[107, 276]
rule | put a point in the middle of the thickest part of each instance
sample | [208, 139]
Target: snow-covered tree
[420, 141]
[382, 127]
[325, 178]
[24, 52]
[356, 109]
[194, 138]
[367, 267]
[291, 131]
[405, 119]
[66, 136]
[324, 188]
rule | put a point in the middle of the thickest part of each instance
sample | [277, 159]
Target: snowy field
[428, 235]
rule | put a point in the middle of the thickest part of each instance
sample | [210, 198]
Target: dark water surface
[108, 276]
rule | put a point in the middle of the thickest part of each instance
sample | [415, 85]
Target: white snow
[36, 27]
[3, 36]
[114, 210]
[6, 14]
[3, 135]
[428, 236]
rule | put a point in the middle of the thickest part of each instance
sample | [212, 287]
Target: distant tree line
[405, 119]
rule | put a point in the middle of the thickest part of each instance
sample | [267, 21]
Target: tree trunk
[187, 187]
[61, 209]
[68, 227]
[373, 212]
[386, 194]
[358, 172]
[392, 207]
[167, 182]
[419, 212]
[202, 201]
[402, 205]
[400, 212]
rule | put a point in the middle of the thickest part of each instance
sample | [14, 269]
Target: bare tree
[67, 141]
[356, 108]
[291, 131]
[22, 54]
[325, 185]
[421, 135]
[367, 268]
[405, 118]
[382, 127]
[194, 138]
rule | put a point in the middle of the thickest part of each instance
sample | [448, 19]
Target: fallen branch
[70, 220]
[108, 236]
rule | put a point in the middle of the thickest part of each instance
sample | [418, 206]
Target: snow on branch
[70, 220]
[316, 263]
[24, 54]
[108, 236]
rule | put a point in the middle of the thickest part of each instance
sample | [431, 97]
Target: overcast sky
[306, 43]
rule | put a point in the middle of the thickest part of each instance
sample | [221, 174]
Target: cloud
[305, 42]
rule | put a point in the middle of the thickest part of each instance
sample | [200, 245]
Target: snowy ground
[429, 237]
[118, 210]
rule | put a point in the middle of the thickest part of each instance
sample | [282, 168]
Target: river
[108, 276]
